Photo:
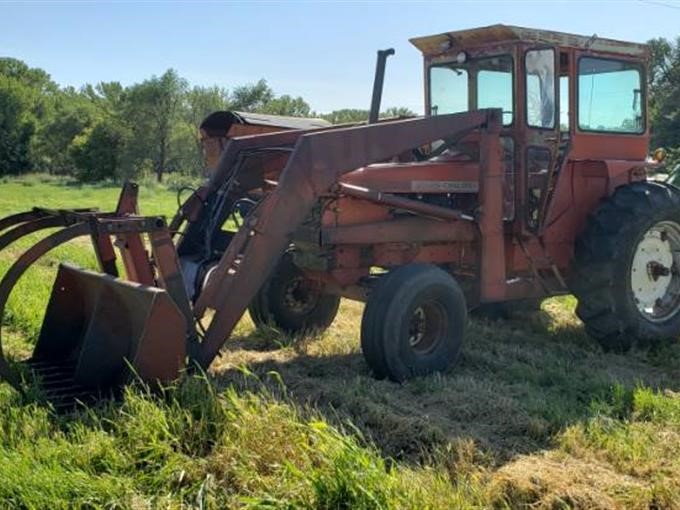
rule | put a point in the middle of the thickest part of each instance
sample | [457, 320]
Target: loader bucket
[100, 331]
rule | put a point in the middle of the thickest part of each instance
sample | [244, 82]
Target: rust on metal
[500, 34]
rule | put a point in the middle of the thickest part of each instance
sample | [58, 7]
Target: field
[534, 416]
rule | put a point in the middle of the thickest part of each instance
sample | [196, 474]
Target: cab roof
[496, 34]
[218, 123]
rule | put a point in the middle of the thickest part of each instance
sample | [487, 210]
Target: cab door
[542, 128]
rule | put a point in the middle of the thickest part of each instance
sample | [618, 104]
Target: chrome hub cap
[654, 277]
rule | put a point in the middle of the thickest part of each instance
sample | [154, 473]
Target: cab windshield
[475, 84]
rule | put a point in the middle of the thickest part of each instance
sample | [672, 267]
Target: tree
[107, 97]
[202, 101]
[287, 105]
[397, 111]
[153, 107]
[346, 115]
[17, 126]
[352, 115]
[252, 97]
[664, 85]
[33, 78]
[69, 113]
[25, 96]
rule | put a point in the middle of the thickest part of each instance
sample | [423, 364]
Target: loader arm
[316, 164]
[99, 329]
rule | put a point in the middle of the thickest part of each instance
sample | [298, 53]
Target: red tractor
[526, 178]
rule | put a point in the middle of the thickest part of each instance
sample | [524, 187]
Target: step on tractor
[527, 177]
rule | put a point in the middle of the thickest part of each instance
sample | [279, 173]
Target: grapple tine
[29, 227]
[40, 212]
[22, 217]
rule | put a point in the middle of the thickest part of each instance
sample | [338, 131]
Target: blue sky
[323, 51]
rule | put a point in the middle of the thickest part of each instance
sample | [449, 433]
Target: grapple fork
[99, 330]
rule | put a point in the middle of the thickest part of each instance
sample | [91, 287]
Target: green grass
[535, 415]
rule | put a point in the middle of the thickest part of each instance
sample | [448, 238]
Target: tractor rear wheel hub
[654, 280]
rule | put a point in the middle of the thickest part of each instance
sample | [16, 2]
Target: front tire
[413, 323]
[626, 270]
[292, 303]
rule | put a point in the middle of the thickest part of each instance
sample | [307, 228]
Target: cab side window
[610, 96]
[540, 90]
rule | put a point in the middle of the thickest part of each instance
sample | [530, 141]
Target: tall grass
[193, 447]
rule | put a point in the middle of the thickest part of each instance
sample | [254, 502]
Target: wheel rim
[654, 276]
[427, 327]
[299, 296]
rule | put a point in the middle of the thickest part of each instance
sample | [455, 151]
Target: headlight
[659, 155]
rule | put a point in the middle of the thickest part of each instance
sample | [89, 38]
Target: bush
[95, 152]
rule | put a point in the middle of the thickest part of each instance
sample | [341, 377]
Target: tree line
[109, 131]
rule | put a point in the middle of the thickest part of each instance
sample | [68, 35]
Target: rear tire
[292, 303]
[626, 269]
[413, 323]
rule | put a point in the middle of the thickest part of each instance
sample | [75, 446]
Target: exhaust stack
[378, 84]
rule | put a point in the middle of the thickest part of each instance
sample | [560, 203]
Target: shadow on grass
[518, 384]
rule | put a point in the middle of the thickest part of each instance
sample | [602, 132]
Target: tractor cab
[564, 98]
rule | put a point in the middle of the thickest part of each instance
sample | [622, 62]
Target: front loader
[520, 182]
